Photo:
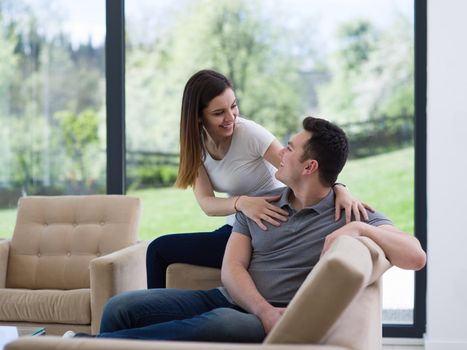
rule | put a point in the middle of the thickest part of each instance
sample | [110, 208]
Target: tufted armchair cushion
[67, 257]
[55, 238]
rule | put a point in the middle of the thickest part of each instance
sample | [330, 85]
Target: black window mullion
[417, 329]
[420, 158]
[115, 96]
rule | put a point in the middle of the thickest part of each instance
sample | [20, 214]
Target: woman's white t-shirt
[243, 170]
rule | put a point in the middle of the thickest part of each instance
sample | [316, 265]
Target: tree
[371, 73]
[8, 66]
[233, 37]
[391, 67]
[47, 75]
[80, 137]
[338, 98]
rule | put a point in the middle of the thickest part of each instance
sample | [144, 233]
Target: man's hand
[351, 229]
[270, 316]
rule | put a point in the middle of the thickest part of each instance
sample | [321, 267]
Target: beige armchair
[338, 307]
[67, 257]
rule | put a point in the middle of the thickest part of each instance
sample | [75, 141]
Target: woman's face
[220, 114]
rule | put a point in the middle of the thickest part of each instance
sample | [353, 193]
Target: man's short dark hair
[328, 145]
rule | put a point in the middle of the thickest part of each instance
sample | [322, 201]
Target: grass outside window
[385, 182]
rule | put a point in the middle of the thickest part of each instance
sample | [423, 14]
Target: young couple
[276, 237]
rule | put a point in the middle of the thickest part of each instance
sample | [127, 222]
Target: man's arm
[401, 249]
[240, 285]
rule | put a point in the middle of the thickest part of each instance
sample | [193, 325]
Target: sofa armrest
[333, 284]
[380, 263]
[47, 343]
[4, 252]
[114, 273]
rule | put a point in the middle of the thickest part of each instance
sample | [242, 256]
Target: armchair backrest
[56, 237]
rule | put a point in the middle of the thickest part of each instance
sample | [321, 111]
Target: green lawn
[7, 222]
[169, 210]
[385, 182]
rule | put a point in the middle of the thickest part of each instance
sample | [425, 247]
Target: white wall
[447, 175]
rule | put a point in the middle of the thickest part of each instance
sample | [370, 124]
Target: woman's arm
[351, 205]
[208, 202]
[273, 153]
[256, 208]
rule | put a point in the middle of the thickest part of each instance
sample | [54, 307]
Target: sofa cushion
[46, 306]
[187, 276]
[55, 238]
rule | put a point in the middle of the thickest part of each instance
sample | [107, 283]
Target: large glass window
[52, 101]
[348, 61]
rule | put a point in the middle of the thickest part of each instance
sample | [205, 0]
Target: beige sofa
[67, 257]
[337, 307]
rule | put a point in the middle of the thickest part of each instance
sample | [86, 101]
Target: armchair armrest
[4, 252]
[114, 273]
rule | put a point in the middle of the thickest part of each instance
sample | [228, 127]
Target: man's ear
[311, 165]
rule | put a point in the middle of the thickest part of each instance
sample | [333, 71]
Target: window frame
[115, 95]
[116, 150]
[418, 327]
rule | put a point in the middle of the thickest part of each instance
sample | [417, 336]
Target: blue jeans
[178, 314]
[188, 248]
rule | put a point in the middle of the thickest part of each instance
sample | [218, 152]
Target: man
[309, 166]
[262, 271]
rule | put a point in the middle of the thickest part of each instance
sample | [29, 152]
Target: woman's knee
[160, 244]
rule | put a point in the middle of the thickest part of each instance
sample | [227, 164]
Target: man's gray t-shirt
[283, 256]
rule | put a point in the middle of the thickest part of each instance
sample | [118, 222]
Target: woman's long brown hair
[200, 89]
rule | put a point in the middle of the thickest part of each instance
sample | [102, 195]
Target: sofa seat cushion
[187, 276]
[46, 305]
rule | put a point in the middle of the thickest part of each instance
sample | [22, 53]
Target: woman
[220, 151]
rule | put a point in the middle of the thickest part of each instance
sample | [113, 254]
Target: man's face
[291, 167]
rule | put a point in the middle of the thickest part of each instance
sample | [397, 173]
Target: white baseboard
[404, 341]
[403, 344]
[445, 345]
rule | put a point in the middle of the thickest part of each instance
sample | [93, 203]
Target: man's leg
[142, 308]
[218, 325]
